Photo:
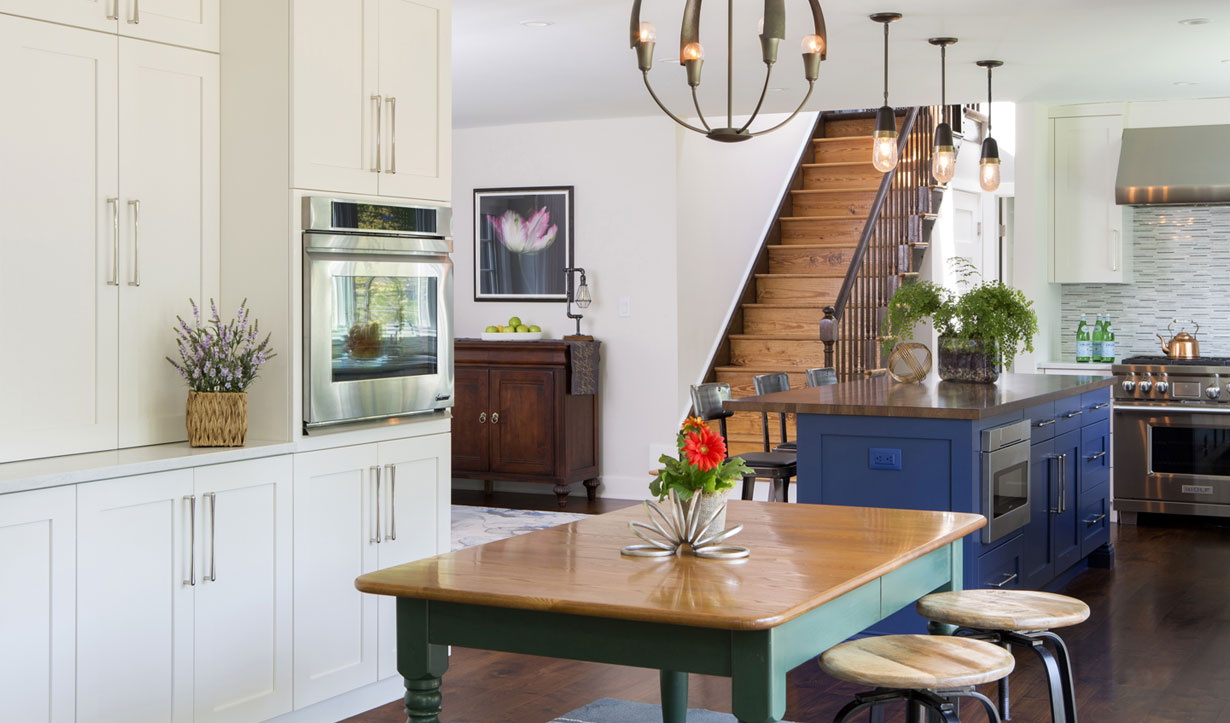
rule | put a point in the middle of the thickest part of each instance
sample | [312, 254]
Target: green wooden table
[817, 575]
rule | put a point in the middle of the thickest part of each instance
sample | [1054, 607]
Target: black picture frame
[504, 273]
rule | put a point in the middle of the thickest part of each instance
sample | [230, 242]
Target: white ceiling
[1055, 51]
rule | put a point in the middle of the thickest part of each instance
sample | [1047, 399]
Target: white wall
[668, 220]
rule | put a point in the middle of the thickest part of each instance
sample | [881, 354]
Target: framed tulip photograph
[522, 243]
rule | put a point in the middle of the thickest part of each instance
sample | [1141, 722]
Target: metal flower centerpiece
[686, 530]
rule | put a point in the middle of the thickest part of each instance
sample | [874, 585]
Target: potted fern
[981, 327]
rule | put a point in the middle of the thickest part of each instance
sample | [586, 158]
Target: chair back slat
[707, 399]
[821, 376]
[771, 383]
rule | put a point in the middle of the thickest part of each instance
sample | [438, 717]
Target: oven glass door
[1202, 451]
[378, 335]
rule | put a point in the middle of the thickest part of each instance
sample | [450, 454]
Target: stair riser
[808, 231]
[855, 149]
[855, 204]
[745, 426]
[767, 320]
[826, 261]
[741, 384]
[860, 176]
[853, 127]
[803, 354]
[784, 289]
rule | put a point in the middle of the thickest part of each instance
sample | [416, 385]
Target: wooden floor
[1156, 648]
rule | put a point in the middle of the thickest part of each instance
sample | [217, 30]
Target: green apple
[514, 322]
[509, 329]
[491, 330]
[535, 327]
[523, 329]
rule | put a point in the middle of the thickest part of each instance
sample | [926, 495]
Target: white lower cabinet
[359, 509]
[37, 595]
[187, 611]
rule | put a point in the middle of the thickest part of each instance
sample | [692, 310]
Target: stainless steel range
[1172, 435]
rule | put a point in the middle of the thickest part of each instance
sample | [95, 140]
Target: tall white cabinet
[111, 222]
[190, 23]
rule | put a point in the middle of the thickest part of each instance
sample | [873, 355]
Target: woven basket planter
[217, 419]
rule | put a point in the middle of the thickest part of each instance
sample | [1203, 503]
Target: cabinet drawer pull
[1044, 423]
[1095, 520]
[392, 470]
[1103, 405]
[375, 537]
[191, 579]
[1008, 577]
[213, 523]
[482, 418]
[1092, 457]
[1069, 415]
[495, 417]
[376, 99]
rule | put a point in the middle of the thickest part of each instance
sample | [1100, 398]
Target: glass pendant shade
[884, 146]
[988, 170]
[944, 155]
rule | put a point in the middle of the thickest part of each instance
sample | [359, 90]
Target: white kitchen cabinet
[91, 14]
[169, 218]
[135, 607]
[37, 598]
[191, 23]
[372, 105]
[360, 509]
[58, 243]
[243, 592]
[1091, 235]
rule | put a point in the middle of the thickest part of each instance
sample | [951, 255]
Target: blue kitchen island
[1031, 453]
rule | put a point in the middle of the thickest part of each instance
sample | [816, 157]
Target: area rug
[479, 525]
[612, 710]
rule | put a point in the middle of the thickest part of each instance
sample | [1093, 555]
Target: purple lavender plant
[217, 357]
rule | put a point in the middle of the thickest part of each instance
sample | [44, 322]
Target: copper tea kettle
[1182, 345]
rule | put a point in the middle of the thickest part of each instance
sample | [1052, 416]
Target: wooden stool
[927, 672]
[1016, 617]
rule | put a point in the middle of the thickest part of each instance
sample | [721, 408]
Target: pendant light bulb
[884, 154]
[812, 44]
[988, 166]
[649, 34]
[693, 51]
[943, 151]
[584, 298]
[943, 164]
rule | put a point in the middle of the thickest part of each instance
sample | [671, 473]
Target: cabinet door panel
[134, 635]
[1037, 548]
[414, 59]
[335, 634]
[523, 440]
[243, 603]
[1067, 532]
[169, 133]
[37, 604]
[415, 519]
[191, 23]
[1094, 518]
[1095, 454]
[91, 14]
[1089, 239]
[56, 242]
[335, 77]
[471, 421]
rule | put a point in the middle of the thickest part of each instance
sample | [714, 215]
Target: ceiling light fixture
[884, 146]
[692, 55]
[988, 167]
[1195, 21]
[537, 23]
[944, 156]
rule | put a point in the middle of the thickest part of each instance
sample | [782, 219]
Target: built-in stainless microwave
[1005, 479]
[377, 310]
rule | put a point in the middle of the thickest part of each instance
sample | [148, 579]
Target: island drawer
[1096, 405]
[1000, 568]
[1041, 422]
[1095, 454]
[1094, 519]
[1069, 414]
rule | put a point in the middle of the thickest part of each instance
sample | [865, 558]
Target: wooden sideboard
[516, 418]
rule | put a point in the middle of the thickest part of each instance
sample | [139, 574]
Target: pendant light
[944, 154]
[884, 146]
[988, 167]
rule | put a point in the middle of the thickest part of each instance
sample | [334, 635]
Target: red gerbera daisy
[705, 449]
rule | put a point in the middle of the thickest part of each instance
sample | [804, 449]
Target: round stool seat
[1015, 610]
[919, 662]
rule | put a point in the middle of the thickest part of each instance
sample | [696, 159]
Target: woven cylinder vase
[217, 419]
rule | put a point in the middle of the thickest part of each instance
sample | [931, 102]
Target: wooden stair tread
[776, 336]
[793, 276]
[789, 305]
[836, 164]
[823, 218]
[835, 190]
[814, 246]
[827, 139]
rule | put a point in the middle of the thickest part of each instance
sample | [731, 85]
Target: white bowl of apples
[514, 330]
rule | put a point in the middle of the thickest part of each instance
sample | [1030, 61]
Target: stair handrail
[832, 314]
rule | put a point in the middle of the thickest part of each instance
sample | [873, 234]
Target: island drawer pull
[1095, 520]
[1044, 423]
[1069, 415]
[1008, 577]
[191, 579]
[1103, 405]
[1092, 457]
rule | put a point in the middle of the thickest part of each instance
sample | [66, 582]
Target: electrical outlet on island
[884, 458]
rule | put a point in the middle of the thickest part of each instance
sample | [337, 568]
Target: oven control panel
[1158, 386]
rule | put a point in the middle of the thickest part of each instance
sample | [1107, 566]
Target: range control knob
[1129, 385]
[1161, 386]
[1212, 392]
[1145, 385]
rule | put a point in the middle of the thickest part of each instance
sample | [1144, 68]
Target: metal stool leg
[749, 486]
[1065, 671]
[1004, 711]
[877, 714]
[1053, 679]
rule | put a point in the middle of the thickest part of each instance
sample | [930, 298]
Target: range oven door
[1005, 490]
[1172, 455]
[378, 335]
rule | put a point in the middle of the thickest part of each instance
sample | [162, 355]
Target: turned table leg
[674, 688]
[591, 489]
[419, 662]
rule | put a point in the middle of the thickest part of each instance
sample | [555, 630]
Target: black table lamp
[580, 296]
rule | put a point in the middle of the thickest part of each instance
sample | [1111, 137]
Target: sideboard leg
[674, 686]
[488, 488]
[591, 489]
[561, 494]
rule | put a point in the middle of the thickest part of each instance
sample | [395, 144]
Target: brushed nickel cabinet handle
[375, 473]
[376, 100]
[1069, 415]
[135, 205]
[1103, 405]
[495, 417]
[191, 500]
[1063, 483]
[1058, 508]
[392, 103]
[114, 203]
[1092, 457]
[392, 470]
[1090, 522]
[213, 523]
[115, 10]
[482, 418]
[1009, 577]
[136, 12]
[1044, 423]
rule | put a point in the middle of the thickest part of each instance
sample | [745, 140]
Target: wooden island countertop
[932, 399]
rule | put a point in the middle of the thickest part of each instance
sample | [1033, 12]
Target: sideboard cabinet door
[523, 438]
[471, 420]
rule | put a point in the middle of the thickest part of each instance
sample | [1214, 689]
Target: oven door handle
[1170, 409]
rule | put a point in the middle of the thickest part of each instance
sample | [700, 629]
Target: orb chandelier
[692, 56]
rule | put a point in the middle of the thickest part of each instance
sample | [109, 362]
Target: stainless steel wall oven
[377, 310]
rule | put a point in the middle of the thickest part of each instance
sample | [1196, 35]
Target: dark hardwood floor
[1156, 648]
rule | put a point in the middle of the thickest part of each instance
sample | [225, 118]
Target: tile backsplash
[1182, 271]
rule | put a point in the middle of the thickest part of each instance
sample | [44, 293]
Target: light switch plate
[625, 306]
[884, 458]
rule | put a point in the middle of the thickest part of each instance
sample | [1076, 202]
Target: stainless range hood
[1174, 166]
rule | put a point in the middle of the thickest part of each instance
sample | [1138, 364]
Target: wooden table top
[802, 557]
[933, 399]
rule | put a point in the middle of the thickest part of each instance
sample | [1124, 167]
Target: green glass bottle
[1108, 342]
[1097, 337]
[1084, 345]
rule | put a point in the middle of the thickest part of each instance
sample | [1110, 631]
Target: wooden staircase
[805, 263]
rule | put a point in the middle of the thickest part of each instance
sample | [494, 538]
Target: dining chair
[779, 467]
[821, 376]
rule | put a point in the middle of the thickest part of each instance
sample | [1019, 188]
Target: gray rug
[611, 710]
[479, 525]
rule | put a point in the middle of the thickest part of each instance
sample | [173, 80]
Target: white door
[191, 23]
[415, 504]
[92, 14]
[57, 257]
[169, 231]
[243, 599]
[135, 607]
[335, 542]
[415, 57]
[37, 598]
[967, 230]
[335, 110]
[1089, 241]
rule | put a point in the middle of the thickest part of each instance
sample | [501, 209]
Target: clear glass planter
[968, 360]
